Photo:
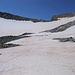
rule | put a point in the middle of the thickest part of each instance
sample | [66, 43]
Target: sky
[39, 9]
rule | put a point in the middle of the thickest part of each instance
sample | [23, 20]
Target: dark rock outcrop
[62, 27]
[8, 45]
[5, 39]
[6, 15]
[25, 34]
[70, 39]
[0, 54]
[55, 17]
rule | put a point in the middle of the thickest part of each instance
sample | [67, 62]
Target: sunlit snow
[38, 54]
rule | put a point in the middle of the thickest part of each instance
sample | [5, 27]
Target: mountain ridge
[56, 17]
[6, 15]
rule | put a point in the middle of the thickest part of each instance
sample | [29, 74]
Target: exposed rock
[55, 17]
[8, 45]
[70, 39]
[5, 39]
[62, 27]
[25, 34]
[15, 17]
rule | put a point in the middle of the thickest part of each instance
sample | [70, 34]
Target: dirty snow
[39, 54]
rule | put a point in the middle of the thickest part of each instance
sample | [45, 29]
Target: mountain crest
[55, 17]
[6, 15]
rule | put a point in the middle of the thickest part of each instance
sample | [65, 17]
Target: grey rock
[55, 17]
[16, 17]
[70, 39]
[62, 27]
[5, 39]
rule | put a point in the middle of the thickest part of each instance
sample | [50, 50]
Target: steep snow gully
[38, 54]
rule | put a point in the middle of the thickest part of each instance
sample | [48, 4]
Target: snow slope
[39, 54]
[12, 27]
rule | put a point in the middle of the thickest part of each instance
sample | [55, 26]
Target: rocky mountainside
[6, 15]
[55, 17]
[15, 17]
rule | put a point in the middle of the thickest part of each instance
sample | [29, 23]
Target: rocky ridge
[56, 17]
[6, 15]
